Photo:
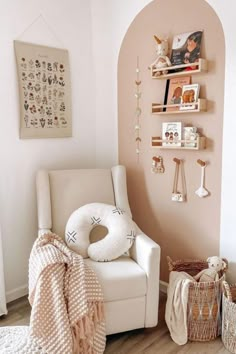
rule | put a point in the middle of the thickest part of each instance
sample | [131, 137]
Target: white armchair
[130, 283]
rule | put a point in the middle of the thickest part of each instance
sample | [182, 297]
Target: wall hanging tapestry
[45, 91]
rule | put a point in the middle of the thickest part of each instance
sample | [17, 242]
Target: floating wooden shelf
[201, 66]
[200, 105]
[199, 144]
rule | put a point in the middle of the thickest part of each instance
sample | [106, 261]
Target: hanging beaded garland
[138, 110]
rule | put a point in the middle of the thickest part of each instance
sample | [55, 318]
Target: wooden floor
[143, 341]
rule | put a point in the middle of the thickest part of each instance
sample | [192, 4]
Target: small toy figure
[162, 60]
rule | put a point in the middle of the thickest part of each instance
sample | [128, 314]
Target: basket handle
[170, 263]
[226, 290]
[227, 264]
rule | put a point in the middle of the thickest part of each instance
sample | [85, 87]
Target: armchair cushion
[120, 236]
[122, 279]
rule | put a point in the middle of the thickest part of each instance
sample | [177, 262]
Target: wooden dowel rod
[201, 163]
[176, 160]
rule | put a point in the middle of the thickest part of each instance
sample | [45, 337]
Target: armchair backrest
[60, 192]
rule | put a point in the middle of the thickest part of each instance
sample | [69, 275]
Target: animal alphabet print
[45, 91]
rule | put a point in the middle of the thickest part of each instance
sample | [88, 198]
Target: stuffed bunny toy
[162, 60]
[215, 264]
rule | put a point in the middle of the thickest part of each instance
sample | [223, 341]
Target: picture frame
[186, 48]
[189, 99]
[171, 133]
[173, 92]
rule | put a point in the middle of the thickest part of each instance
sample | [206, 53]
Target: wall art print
[45, 91]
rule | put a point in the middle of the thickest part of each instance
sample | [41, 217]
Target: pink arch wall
[183, 230]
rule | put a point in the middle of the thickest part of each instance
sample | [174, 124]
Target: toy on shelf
[215, 265]
[162, 60]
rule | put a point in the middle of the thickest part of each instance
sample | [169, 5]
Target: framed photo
[44, 91]
[186, 48]
[189, 97]
[174, 92]
[171, 133]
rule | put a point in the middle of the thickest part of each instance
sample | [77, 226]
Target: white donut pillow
[120, 237]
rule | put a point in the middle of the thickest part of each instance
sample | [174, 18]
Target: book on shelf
[189, 97]
[186, 48]
[171, 133]
[190, 136]
[173, 92]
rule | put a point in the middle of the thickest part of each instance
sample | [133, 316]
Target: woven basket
[204, 301]
[229, 317]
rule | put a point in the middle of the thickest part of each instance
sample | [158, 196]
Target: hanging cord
[179, 169]
[183, 180]
[176, 177]
[138, 110]
[48, 26]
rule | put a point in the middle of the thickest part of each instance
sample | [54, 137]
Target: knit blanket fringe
[86, 328]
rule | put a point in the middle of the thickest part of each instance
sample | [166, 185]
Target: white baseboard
[16, 293]
[163, 286]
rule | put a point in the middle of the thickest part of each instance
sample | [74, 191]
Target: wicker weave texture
[229, 317]
[204, 301]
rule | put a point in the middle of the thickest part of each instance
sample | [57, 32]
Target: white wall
[228, 194]
[119, 14]
[110, 21]
[68, 24]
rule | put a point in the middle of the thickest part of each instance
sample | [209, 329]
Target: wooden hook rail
[176, 160]
[201, 163]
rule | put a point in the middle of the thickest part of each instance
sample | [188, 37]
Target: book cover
[171, 133]
[174, 91]
[186, 48]
[190, 135]
[189, 97]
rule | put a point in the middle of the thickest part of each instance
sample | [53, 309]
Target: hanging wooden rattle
[201, 191]
[157, 164]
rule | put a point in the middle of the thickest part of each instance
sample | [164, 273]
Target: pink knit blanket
[66, 298]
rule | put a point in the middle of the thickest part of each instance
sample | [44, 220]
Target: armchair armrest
[146, 253]
[44, 231]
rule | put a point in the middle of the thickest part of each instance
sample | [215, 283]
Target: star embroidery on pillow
[95, 221]
[118, 210]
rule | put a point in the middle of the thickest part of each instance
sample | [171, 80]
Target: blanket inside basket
[67, 304]
[176, 306]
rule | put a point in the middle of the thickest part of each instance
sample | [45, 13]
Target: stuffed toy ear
[157, 40]
[208, 259]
